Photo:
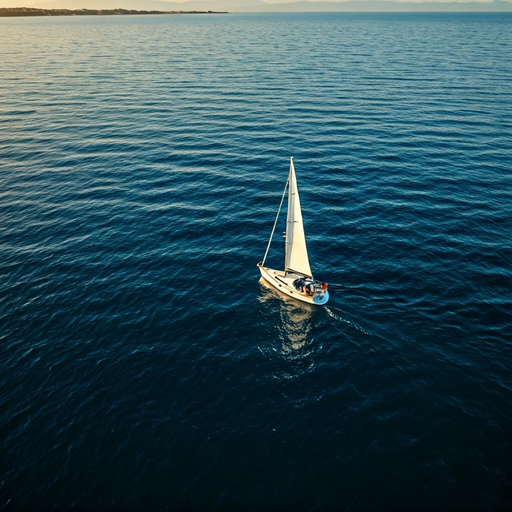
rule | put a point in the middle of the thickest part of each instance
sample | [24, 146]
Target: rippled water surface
[143, 364]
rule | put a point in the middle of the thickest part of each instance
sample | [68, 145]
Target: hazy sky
[229, 5]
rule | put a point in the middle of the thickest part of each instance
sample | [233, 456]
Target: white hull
[284, 283]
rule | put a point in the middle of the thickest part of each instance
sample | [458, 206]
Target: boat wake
[336, 316]
[354, 290]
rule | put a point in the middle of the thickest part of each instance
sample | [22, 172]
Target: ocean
[144, 366]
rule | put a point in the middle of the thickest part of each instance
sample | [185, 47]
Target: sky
[106, 4]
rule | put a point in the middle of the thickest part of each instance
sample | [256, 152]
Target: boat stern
[321, 298]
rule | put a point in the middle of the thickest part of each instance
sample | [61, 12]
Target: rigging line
[275, 223]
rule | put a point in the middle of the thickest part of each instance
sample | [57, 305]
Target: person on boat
[303, 286]
[299, 284]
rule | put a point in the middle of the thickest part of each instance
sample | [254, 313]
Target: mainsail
[296, 253]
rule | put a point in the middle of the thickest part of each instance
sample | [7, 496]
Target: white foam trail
[332, 314]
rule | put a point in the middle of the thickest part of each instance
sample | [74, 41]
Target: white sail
[296, 254]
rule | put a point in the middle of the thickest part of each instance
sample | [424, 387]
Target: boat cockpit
[309, 286]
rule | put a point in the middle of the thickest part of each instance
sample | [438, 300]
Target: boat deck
[284, 282]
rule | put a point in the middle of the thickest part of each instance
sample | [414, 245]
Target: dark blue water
[142, 363]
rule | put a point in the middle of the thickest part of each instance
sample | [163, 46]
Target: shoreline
[11, 12]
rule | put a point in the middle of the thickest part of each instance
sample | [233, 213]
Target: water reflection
[295, 333]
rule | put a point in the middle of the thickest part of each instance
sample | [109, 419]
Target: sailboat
[296, 280]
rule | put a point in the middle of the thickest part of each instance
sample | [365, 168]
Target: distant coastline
[138, 7]
[7, 12]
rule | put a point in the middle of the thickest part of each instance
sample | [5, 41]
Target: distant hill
[300, 6]
[11, 12]
[390, 6]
